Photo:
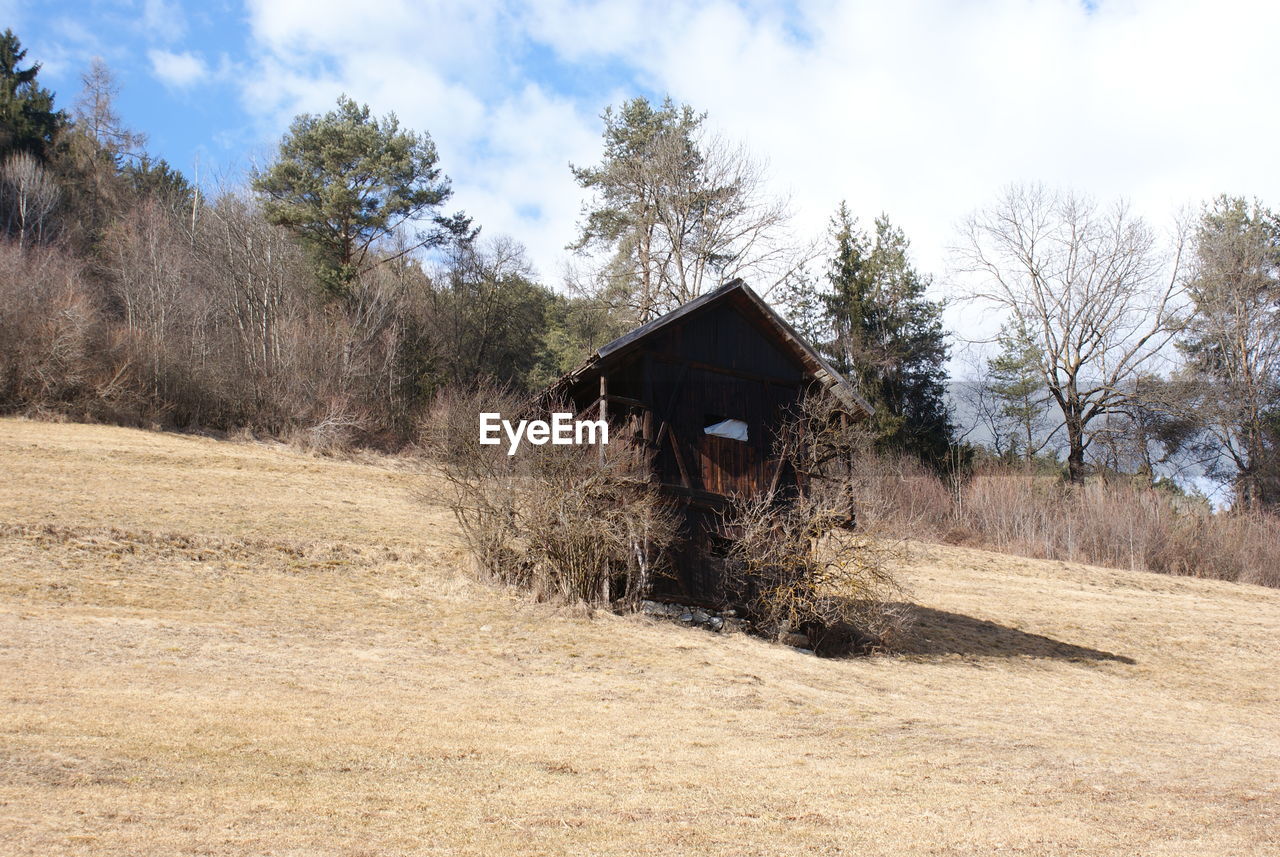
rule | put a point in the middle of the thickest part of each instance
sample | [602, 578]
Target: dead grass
[215, 648]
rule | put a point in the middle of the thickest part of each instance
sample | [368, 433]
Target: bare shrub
[1248, 549]
[559, 521]
[800, 573]
[899, 496]
[1117, 523]
[794, 555]
[335, 428]
[55, 353]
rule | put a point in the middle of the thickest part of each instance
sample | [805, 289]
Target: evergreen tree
[1017, 383]
[651, 161]
[156, 179]
[888, 337]
[802, 301]
[345, 181]
[1232, 343]
[674, 213]
[28, 122]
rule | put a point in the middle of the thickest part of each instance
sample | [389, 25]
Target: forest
[330, 297]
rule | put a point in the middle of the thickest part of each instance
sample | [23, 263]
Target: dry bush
[56, 355]
[1245, 548]
[794, 555]
[797, 572]
[560, 521]
[1110, 522]
[899, 496]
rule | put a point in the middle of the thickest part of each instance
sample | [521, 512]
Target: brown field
[224, 648]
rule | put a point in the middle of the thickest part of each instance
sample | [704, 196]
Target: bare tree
[147, 255]
[1093, 288]
[255, 269]
[96, 114]
[28, 198]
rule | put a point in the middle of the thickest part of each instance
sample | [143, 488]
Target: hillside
[233, 648]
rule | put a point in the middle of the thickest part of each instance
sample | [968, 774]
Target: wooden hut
[704, 389]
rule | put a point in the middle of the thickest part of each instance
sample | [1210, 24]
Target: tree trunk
[1075, 450]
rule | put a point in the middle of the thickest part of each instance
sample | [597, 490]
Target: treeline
[334, 294]
[310, 305]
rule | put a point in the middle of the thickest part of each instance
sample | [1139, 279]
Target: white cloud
[505, 143]
[163, 21]
[921, 109]
[177, 70]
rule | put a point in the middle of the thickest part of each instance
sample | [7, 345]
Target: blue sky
[185, 71]
[918, 109]
[185, 120]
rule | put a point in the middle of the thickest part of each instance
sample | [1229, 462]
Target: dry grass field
[232, 648]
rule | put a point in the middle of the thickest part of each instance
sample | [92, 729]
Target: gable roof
[746, 300]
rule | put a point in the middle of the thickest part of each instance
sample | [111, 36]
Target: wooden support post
[675, 448]
[647, 452]
[605, 594]
[604, 408]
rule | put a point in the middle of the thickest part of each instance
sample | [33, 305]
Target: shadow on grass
[940, 632]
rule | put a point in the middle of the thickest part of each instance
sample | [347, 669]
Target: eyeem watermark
[562, 431]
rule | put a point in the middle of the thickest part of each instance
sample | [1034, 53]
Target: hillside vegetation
[234, 648]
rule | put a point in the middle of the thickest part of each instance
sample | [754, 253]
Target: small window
[721, 427]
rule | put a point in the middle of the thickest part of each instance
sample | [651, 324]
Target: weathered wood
[595, 403]
[604, 412]
[675, 391]
[675, 447]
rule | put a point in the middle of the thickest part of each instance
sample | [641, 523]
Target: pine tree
[802, 301]
[28, 122]
[345, 181]
[888, 337]
[1232, 343]
[1017, 382]
[674, 212]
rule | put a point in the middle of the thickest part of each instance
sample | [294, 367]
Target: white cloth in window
[732, 429]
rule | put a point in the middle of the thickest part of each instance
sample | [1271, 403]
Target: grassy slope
[214, 648]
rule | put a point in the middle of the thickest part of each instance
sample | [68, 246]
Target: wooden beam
[675, 447]
[645, 448]
[630, 403]
[604, 415]
[675, 391]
